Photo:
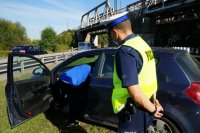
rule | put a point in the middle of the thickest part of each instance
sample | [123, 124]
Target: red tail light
[193, 92]
[22, 52]
[29, 113]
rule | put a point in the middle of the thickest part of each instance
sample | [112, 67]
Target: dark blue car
[29, 94]
[28, 49]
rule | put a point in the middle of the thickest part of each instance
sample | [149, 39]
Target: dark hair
[125, 25]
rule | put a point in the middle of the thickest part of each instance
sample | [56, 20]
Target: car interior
[60, 90]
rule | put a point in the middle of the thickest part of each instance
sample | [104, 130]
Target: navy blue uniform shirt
[128, 63]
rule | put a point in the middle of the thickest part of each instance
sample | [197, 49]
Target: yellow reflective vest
[147, 77]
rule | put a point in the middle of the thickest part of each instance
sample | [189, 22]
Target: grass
[48, 122]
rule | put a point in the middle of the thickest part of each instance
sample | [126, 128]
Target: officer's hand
[156, 102]
[159, 111]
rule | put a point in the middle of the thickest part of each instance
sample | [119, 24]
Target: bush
[4, 53]
[62, 47]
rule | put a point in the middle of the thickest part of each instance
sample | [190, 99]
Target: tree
[35, 41]
[67, 38]
[11, 34]
[48, 39]
[103, 40]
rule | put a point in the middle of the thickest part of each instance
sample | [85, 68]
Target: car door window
[107, 65]
[88, 59]
[26, 68]
[84, 60]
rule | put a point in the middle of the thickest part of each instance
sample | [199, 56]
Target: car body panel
[178, 107]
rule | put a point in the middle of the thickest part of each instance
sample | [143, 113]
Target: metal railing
[104, 10]
[191, 50]
[195, 52]
[95, 15]
[46, 59]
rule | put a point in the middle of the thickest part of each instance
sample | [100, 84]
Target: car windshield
[190, 65]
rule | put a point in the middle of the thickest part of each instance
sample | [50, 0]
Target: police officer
[135, 83]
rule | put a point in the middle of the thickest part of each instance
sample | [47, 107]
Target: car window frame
[62, 67]
[101, 64]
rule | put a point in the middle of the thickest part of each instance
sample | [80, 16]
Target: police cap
[112, 21]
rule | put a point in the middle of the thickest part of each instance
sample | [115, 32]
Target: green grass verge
[48, 122]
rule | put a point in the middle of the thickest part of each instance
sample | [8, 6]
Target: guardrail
[191, 50]
[195, 52]
[47, 58]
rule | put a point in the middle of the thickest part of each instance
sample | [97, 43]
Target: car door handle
[100, 75]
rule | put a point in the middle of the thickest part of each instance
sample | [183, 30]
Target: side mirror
[38, 71]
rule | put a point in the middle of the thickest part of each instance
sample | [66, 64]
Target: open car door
[27, 89]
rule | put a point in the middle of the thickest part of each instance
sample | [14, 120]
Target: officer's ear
[115, 33]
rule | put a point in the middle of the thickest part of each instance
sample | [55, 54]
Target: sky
[61, 15]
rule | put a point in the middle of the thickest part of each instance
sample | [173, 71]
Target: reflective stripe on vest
[146, 78]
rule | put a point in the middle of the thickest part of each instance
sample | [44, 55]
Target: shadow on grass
[109, 128]
[57, 118]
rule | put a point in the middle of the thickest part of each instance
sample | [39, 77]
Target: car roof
[99, 50]
[24, 45]
[157, 50]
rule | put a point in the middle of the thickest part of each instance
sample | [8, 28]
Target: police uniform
[128, 65]
[131, 68]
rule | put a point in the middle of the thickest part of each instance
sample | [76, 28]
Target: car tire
[163, 125]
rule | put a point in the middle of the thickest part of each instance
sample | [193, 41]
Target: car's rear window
[19, 47]
[190, 65]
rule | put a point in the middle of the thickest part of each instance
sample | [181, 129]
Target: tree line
[13, 34]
